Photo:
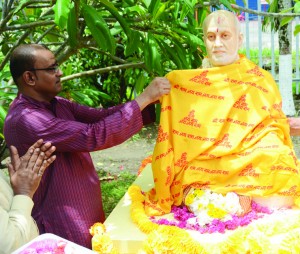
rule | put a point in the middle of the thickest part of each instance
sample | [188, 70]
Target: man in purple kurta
[68, 201]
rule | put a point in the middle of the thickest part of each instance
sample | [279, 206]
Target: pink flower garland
[182, 214]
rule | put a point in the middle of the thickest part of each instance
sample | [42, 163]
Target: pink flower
[182, 214]
[46, 246]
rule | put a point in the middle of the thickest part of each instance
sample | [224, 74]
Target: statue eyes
[225, 36]
[213, 37]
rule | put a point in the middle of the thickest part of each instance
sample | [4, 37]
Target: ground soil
[128, 155]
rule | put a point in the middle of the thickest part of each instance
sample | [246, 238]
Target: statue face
[222, 40]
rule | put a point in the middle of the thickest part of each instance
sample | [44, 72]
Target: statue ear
[29, 77]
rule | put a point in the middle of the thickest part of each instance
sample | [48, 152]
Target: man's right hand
[26, 172]
[157, 88]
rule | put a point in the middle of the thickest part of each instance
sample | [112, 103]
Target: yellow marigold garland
[250, 239]
[291, 242]
[137, 211]
[168, 239]
[255, 238]
[161, 238]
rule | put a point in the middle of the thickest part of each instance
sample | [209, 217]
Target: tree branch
[102, 70]
[265, 14]
[29, 25]
[260, 13]
[66, 50]
[5, 18]
[45, 33]
[117, 59]
[6, 58]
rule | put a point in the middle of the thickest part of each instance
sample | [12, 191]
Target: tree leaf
[98, 28]
[61, 10]
[147, 2]
[297, 30]
[153, 7]
[297, 7]
[172, 53]
[176, 9]
[152, 55]
[133, 43]
[194, 40]
[72, 28]
[114, 11]
[227, 4]
[131, 36]
[184, 12]
[285, 20]
[159, 12]
[2, 115]
[189, 4]
[140, 82]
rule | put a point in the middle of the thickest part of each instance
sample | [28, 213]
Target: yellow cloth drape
[222, 128]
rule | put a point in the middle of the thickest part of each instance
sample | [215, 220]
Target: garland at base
[254, 238]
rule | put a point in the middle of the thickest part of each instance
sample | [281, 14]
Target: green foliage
[113, 188]
[72, 28]
[273, 21]
[297, 30]
[98, 28]
[277, 23]
[126, 43]
[61, 10]
[112, 33]
[297, 7]
[152, 55]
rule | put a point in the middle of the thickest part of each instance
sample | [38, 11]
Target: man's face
[47, 80]
[222, 41]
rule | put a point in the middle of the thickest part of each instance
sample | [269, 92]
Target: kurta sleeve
[76, 128]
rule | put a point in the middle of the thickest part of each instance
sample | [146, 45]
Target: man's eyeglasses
[53, 69]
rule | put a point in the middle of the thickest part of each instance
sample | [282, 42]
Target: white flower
[203, 218]
[192, 221]
[232, 203]
[228, 203]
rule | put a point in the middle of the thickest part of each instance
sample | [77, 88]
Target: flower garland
[173, 235]
[255, 238]
[184, 219]
[208, 212]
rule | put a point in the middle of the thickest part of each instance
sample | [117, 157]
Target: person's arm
[158, 87]
[70, 135]
[16, 223]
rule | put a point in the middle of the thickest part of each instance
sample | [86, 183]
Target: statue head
[222, 37]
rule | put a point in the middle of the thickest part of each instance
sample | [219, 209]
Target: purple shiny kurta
[68, 201]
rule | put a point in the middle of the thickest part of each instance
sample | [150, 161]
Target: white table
[126, 236]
